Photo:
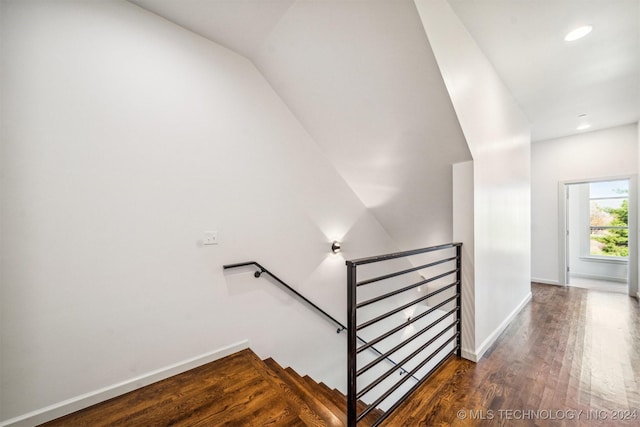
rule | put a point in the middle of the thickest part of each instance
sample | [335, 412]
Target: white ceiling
[361, 78]
[555, 81]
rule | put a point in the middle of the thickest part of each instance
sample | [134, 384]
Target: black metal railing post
[459, 299]
[352, 339]
[446, 327]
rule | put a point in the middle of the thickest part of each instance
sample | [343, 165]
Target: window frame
[587, 255]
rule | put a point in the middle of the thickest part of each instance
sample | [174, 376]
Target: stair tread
[274, 373]
[337, 406]
[335, 396]
[298, 385]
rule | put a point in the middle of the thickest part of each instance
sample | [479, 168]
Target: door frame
[632, 279]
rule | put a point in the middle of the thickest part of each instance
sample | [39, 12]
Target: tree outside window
[609, 218]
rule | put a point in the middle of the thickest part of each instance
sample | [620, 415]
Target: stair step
[337, 406]
[298, 386]
[337, 397]
[372, 416]
[276, 374]
[341, 400]
[319, 394]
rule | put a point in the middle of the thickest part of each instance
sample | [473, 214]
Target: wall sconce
[335, 247]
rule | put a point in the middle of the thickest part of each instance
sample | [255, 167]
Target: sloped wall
[124, 138]
[362, 79]
[499, 139]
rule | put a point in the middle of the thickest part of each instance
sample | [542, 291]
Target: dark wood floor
[569, 350]
[570, 358]
[214, 394]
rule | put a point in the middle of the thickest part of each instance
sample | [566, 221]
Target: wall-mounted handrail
[416, 360]
[261, 270]
[341, 327]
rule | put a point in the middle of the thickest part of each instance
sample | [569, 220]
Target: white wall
[124, 138]
[579, 157]
[463, 231]
[361, 77]
[498, 135]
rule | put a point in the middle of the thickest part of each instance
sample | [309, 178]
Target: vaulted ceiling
[553, 81]
[361, 78]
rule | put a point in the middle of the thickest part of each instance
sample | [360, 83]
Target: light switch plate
[210, 238]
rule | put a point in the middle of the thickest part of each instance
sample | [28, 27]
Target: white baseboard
[469, 355]
[496, 333]
[546, 281]
[85, 400]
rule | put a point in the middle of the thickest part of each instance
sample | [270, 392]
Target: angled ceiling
[361, 78]
[555, 81]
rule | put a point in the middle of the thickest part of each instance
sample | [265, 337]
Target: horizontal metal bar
[406, 288]
[405, 342]
[378, 352]
[395, 255]
[385, 375]
[399, 309]
[400, 273]
[404, 325]
[391, 313]
[402, 381]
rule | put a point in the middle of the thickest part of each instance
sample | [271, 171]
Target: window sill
[608, 260]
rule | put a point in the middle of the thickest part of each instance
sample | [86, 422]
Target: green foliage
[616, 240]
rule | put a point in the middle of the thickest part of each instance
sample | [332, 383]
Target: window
[608, 219]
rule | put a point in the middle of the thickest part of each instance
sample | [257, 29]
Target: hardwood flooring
[231, 392]
[238, 390]
[599, 285]
[570, 358]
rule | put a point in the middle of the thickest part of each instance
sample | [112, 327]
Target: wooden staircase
[329, 404]
[238, 390]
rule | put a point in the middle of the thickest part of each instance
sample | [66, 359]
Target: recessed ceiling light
[578, 33]
[583, 126]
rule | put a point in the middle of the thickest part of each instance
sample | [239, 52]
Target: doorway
[598, 244]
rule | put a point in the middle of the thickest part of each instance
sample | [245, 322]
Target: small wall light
[335, 247]
[583, 123]
[578, 33]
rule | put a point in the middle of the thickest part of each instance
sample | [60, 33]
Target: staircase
[330, 405]
[238, 390]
